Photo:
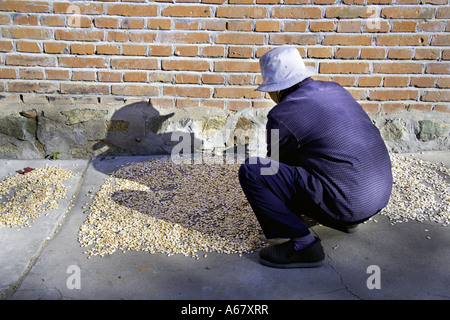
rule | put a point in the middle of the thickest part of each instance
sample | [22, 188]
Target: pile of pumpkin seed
[161, 206]
[25, 197]
[421, 191]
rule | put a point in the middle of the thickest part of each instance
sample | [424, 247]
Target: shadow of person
[138, 129]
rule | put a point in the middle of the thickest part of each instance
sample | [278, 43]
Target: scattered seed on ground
[24, 197]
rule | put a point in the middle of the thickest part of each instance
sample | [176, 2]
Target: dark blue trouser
[278, 199]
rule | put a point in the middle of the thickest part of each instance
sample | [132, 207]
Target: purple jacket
[336, 148]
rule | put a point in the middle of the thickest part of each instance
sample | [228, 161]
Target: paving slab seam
[8, 292]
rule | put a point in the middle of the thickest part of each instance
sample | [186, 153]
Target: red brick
[320, 52]
[56, 47]
[299, 39]
[26, 6]
[349, 26]
[393, 107]
[187, 78]
[239, 25]
[440, 40]
[267, 26]
[236, 66]
[185, 37]
[135, 76]
[79, 35]
[373, 53]
[187, 25]
[372, 81]
[438, 68]
[236, 93]
[343, 40]
[106, 22]
[344, 67]
[427, 54]
[423, 82]
[82, 62]
[91, 8]
[345, 81]
[399, 12]
[186, 51]
[132, 10]
[253, 12]
[213, 78]
[402, 40]
[159, 50]
[28, 46]
[236, 105]
[186, 11]
[401, 54]
[82, 48]
[317, 26]
[30, 60]
[109, 76]
[187, 103]
[134, 63]
[213, 51]
[56, 74]
[26, 86]
[240, 52]
[25, 20]
[134, 50]
[442, 108]
[346, 53]
[8, 73]
[396, 81]
[240, 79]
[443, 83]
[134, 90]
[84, 75]
[108, 49]
[397, 67]
[420, 107]
[188, 65]
[6, 45]
[53, 21]
[187, 91]
[81, 88]
[26, 33]
[239, 38]
[350, 12]
[404, 26]
[400, 94]
[436, 96]
[130, 23]
[295, 26]
[297, 12]
[159, 24]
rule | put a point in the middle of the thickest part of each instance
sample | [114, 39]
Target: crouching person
[328, 162]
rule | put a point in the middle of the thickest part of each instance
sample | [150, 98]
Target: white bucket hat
[281, 68]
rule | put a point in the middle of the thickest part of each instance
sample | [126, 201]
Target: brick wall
[71, 72]
[392, 55]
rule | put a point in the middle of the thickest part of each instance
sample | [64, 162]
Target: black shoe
[285, 256]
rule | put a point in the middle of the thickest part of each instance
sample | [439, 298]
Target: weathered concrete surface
[412, 257]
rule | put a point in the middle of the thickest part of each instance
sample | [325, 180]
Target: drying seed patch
[421, 191]
[162, 207]
[25, 197]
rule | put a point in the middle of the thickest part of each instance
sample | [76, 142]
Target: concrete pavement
[380, 261]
